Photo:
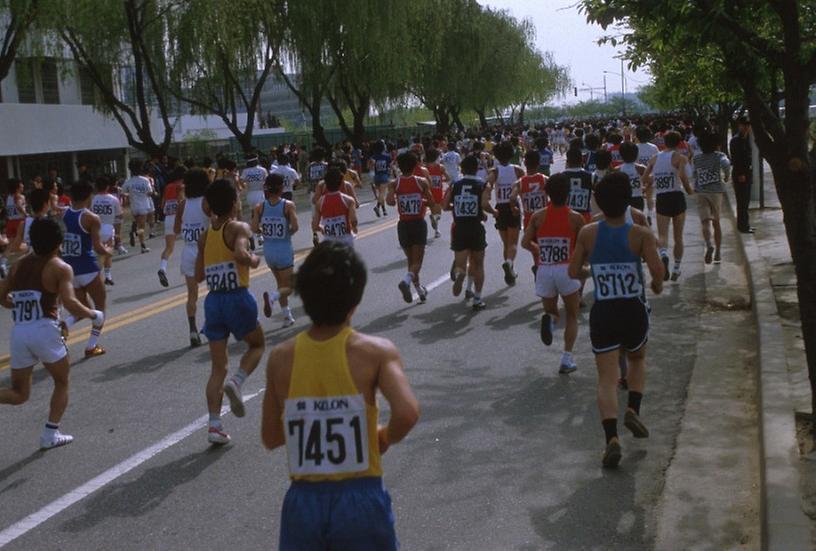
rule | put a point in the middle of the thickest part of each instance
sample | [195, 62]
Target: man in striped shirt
[711, 169]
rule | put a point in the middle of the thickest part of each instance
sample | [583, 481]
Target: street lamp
[623, 87]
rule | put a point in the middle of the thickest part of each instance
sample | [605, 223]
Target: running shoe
[145, 249]
[709, 255]
[267, 305]
[217, 436]
[458, 280]
[546, 329]
[377, 210]
[405, 289]
[422, 292]
[95, 351]
[717, 257]
[468, 294]
[163, 278]
[567, 367]
[509, 276]
[384, 213]
[151, 235]
[479, 305]
[612, 454]
[288, 321]
[232, 390]
[666, 274]
[195, 339]
[132, 239]
[675, 275]
[121, 250]
[437, 235]
[55, 441]
[632, 421]
[109, 281]
[453, 271]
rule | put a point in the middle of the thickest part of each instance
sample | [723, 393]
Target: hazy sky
[562, 30]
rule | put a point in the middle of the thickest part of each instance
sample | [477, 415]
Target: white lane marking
[60, 504]
[433, 285]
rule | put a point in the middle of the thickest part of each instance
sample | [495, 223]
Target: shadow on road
[15, 468]
[148, 294]
[148, 364]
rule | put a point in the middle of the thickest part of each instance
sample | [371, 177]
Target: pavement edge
[784, 524]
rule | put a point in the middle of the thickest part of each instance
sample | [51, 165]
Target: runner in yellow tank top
[320, 402]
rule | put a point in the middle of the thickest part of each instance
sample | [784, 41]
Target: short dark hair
[629, 152]
[273, 183]
[407, 162]
[333, 179]
[592, 141]
[38, 199]
[574, 157]
[102, 183]
[196, 182]
[532, 159]
[46, 236]
[221, 197]
[177, 174]
[81, 190]
[603, 159]
[558, 187]
[613, 193]
[12, 184]
[708, 142]
[432, 155]
[136, 167]
[470, 165]
[504, 152]
[643, 133]
[672, 138]
[331, 282]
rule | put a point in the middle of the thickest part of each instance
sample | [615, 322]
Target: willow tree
[16, 20]
[123, 49]
[222, 56]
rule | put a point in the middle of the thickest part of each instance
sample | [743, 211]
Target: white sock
[50, 430]
[240, 377]
[107, 273]
[417, 285]
[274, 295]
[566, 355]
[663, 251]
[93, 338]
[287, 312]
[409, 278]
[215, 420]
[163, 265]
[676, 265]
[469, 283]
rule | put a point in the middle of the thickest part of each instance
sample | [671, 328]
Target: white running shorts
[38, 341]
[553, 280]
[188, 260]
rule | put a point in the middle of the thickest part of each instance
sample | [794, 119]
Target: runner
[253, 178]
[107, 208]
[191, 222]
[711, 169]
[469, 199]
[412, 196]
[291, 178]
[545, 155]
[531, 189]
[439, 176]
[451, 161]
[629, 156]
[646, 152]
[40, 202]
[173, 194]
[336, 500]
[15, 216]
[502, 177]
[317, 168]
[334, 213]
[33, 290]
[620, 316]
[276, 219]
[137, 192]
[380, 163]
[665, 173]
[224, 261]
[81, 243]
[552, 233]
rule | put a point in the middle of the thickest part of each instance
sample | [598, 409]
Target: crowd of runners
[613, 216]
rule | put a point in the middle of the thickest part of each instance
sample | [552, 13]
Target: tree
[223, 54]
[756, 39]
[123, 48]
[16, 19]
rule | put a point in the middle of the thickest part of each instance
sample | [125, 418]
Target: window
[50, 81]
[86, 87]
[26, 88]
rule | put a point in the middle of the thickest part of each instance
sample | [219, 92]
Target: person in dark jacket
[741, 174]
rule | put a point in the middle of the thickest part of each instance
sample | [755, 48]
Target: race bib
[102, 209]
[316, 172]
[707, 177]
[381, 165]
[465, 206]
[326, 436]
[221, 277]
[503, 193]
[533, 201]
[635, 183]
[26, 306]
[578, 198]
[191, 232]
[170, 207]
[620, 280]
[273, 227]
[409, 204]
[436, 182]
[335, 226]
[71, 245]
[664, 183]
[554, 250]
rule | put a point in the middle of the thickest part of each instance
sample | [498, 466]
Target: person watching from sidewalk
[740, 148]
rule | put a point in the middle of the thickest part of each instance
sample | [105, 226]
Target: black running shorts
[619, 323]
[412, 232]
[506, 219]
[671, 204]
[636, 203]
[468, 237]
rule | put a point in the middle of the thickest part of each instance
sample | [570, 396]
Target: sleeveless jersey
[616, 271]
[580, 193]
[330, 429]
[194, 221]
[274, 224]
[334, 215]
[546, 158]
[30, 301]
[382, 164]
[435, 169]
[77, 247]
[505, 178]
[533, 196]
[466, 196]
[106, 207]
[289, 176]
[254, 177]
[12, 212]
[666, 179]
[645, 152]
[410, 200]
[139, 189]
[171, 193]
[634, 178]
[317, 171]
[221, 272]
[555, 237]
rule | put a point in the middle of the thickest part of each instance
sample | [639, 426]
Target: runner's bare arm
[681, 172]
[199, 264]
[576, 268]
[240, 246]
[255, 223]
[352, 216]
[291, 214]
[514, 192]
[272, 434]
[487, 206]
[179, 216]
[647, 174]
[391, 195]
[528, 240]
[648, 251]
[447, 199]
[5, 301]
[396, 389]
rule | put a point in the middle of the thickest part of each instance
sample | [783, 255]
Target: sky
[562, 30]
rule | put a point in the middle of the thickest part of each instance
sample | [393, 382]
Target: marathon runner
[15, 215]
[276, 219]
[173, 194]
[502, 178]
[224, 261]
[291, 178]
[40, 203]
[37, 283]
[711, 169]
[634, 170]
[321, 394]
[316, 169]
[137, 191]
[531, 189]
[107, 208]
[439, 176]
[619, 319]
[335, 214]
[380, 163]
[253, 178]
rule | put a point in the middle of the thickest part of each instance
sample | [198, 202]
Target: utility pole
[605, 100]
[623, 91]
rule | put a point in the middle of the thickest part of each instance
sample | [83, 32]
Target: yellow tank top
[221, 271]
[331, 432]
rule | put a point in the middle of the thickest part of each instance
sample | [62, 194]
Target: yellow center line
[179, 299]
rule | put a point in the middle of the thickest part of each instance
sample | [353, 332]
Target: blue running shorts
[279, 256]
[228, 312]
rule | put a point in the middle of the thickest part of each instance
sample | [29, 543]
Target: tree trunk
[341, 120]
[522, 109]
[245, 141]
[723, 119]
[442, 119]
[482, 117]
[358, 133]
[457, 120]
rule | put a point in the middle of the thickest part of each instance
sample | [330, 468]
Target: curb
[784, 525]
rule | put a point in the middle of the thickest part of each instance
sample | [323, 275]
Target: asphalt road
[506, 455]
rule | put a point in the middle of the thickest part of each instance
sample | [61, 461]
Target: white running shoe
[288, 321]
[217, 436]
[55, 441]
[233, 391]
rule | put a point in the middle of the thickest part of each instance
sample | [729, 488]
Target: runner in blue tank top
[619, 320]
[276, 220]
